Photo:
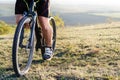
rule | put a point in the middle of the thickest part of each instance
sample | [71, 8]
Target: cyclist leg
[20, 7]
[46, 30]
[43, 13]
[18, 17]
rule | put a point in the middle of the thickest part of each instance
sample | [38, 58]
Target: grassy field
[82, 53]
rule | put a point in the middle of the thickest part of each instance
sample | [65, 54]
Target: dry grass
[82, 53]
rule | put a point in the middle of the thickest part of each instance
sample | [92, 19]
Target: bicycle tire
[53, 25]
[16, 45]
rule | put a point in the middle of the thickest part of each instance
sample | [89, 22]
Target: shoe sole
[49, 58]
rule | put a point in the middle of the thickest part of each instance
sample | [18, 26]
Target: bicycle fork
[32, 30]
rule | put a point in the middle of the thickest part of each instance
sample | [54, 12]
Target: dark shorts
[42, 7]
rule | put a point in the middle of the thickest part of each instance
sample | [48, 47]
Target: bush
[59, 21]
[5, 28]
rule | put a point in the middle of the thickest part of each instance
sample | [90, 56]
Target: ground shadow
[7, 73]
[75, 78]
[61, 53]
[68, 78]
[38, 61]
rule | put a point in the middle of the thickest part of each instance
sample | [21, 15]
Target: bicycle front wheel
[23, 47]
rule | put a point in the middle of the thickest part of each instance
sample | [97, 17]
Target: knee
[44, 23]
[18, 18]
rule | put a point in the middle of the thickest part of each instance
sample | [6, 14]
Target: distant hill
[7, 13]
[8, 19]
[71, 19]
[71, 16]
[84, 18]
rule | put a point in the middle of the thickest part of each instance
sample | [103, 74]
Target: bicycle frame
[27, 43]
[31, 14]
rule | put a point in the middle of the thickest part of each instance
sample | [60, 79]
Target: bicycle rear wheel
[53, 25]
[23, 47]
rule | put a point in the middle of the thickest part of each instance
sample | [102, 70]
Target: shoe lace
[48, 51]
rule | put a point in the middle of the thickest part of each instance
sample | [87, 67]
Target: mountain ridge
[75, 15]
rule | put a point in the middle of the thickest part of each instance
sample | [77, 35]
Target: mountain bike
[24, 40]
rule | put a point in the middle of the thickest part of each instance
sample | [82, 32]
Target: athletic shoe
[48, 54]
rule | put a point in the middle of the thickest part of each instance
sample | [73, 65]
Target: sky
[92, 2]
[78, 2]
